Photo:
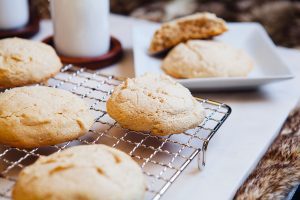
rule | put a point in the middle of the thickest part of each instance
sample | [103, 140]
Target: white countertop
[255, 121]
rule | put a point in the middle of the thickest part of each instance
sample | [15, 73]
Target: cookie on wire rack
[155, 103]
[34, 116]
[25, 62]
[82, 172]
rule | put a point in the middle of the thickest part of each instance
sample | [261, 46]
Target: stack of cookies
[193, 53]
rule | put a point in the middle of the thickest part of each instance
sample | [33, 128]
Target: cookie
[82, 172]
[154, 103]
[198, 26]
[34, 116]
[201, 58]
[24, 62]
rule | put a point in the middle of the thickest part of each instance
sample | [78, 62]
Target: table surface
[255, 121]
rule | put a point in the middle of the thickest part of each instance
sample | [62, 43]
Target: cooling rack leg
[202, 156]
[201, 160]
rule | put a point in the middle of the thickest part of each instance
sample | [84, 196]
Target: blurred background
[281, 18]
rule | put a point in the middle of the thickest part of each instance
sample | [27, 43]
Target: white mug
[13, 13]
[81, 27]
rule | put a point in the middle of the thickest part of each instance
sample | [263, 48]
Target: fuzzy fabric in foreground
[279, 170]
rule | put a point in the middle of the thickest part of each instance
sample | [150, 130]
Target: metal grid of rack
[162, 159]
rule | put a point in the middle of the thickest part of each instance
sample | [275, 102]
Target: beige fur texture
[279, 170]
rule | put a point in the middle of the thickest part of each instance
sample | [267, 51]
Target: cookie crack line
[14, 114]
[150, 94]
[99, 170]
[72, 118]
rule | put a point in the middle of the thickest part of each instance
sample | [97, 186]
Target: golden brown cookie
[155, 103]
[34, 116]
[197, 26]
[24, 62]
[203, 58]
[86, 172]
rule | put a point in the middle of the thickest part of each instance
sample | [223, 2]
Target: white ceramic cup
[81, 27]
[13, 13]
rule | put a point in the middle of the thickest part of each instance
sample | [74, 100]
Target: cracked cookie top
[202, 58]
[82, 172]
[155, 103]
[24, 62]
[34, 116]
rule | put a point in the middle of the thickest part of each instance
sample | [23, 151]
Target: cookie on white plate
[203, 58]
[155, 103]
[82, 172]
[197, 26]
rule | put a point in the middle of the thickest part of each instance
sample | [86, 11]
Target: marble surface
[255, 121]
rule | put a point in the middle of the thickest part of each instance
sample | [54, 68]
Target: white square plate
[251, 37]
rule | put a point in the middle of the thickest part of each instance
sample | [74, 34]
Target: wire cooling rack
[162, 159]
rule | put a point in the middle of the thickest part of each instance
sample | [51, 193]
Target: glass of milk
[13, 14]
[81, 27]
